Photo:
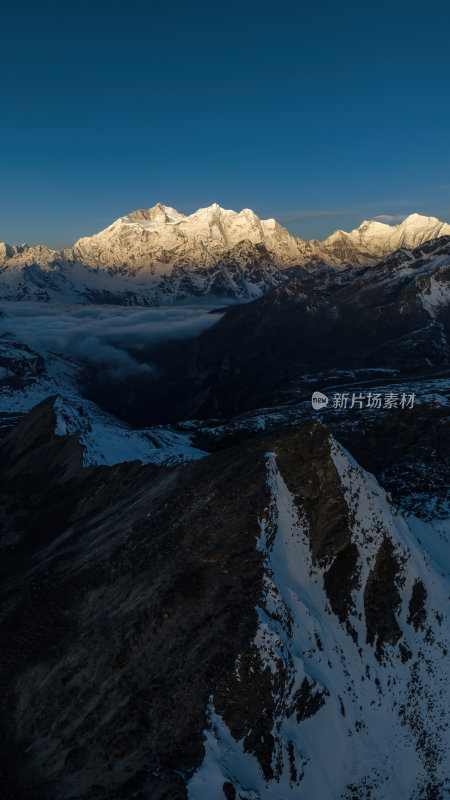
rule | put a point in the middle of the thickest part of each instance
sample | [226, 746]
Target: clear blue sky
[320, 114]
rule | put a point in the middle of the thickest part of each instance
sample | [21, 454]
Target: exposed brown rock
[312, 477]
[417, 613]
[307, 701]
[382, 599]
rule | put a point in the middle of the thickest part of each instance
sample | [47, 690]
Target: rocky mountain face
[159, 256]
[160, 238]
[260, 623]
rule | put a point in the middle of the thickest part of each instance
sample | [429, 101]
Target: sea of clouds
[102, 336]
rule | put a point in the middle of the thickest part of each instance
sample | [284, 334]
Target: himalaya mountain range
[159, 256]
[210, 590]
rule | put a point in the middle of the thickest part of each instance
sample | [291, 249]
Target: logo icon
[319, 401]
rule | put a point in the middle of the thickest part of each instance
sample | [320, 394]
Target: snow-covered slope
[258, 624]
[160, 238]
[358, 686]
[159, 256]
[28, 377]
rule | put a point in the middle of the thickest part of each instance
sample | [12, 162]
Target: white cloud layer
[102, 335]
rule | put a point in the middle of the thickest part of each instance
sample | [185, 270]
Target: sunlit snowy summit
[159, 255]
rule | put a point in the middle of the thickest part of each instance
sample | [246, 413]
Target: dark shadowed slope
[217, 629]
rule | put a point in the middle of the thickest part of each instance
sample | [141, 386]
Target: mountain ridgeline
[159, 256]
[219, 629]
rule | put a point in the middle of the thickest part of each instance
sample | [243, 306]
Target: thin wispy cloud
[300, 216]
[363, 211]
[391, 217]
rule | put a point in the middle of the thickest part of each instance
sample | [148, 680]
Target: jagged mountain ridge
[160, 238]
[218, 629]
[158, 255]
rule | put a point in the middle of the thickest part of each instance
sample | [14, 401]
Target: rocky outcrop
[382, 599]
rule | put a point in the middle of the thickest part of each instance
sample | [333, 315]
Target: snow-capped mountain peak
[160, 213]
[373, 240]
[419, 220]
[161, 238]
[372, 226]
[159, 255]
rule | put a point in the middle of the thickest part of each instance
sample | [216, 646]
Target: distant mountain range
[159, 256]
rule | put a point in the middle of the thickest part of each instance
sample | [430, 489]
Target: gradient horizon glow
[318, 115]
